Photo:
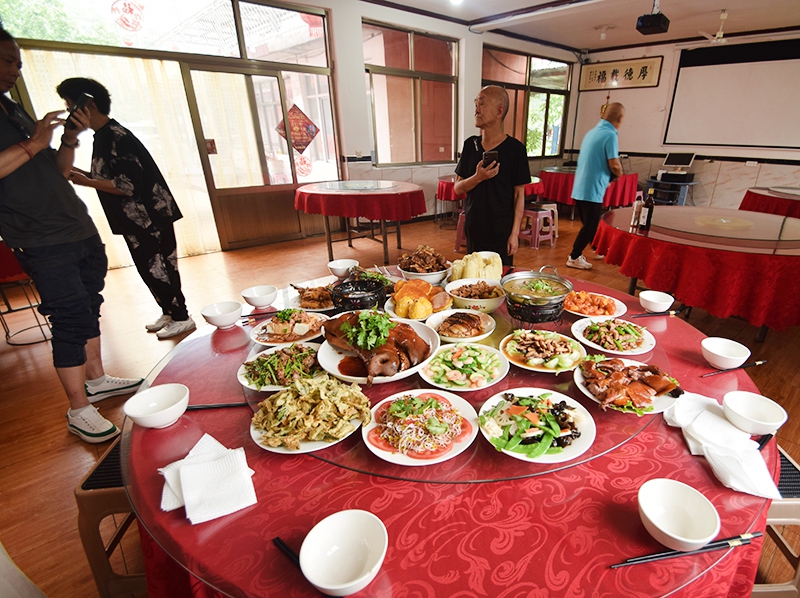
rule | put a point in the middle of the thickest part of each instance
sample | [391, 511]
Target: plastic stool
[534, 234]
[461, 236]
[100, 494]
[553, 207]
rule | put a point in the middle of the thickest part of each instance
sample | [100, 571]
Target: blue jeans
[69, 278]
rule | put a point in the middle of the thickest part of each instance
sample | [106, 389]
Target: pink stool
[539, 219]
[461, 236]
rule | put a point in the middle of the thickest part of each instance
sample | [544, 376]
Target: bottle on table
[637, 212]
[646, 217]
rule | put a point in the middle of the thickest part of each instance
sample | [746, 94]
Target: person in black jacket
[137, 202]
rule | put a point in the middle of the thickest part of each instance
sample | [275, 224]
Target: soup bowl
[158, 406]
[223, 314]
[260, 296]
[485, 305]
[723, 353]
[340, 268]
[753, 413]
[535, 296]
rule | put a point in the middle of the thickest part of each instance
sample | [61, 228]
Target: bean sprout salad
[419, 424]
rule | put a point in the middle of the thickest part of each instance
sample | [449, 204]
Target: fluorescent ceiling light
[532, 15]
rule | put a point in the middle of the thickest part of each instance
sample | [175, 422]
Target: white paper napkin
[733, 456]
[217, 478]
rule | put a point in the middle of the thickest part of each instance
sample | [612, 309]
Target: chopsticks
[215, 406]
[725, 543]
[672, 312]
[286, 549]
[741, 367]
[764, 440]
[256, 317]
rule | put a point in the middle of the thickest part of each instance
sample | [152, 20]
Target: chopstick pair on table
[741, 367]
[672, 312]
[723, 544]
[258, 316]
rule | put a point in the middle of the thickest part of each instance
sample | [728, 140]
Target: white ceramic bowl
[677, 515]
[484, 305]
[343, 553]
[260, 296]
[655, 301]
[753, 413]
[431, 277]
[723, 353]
[223, 314]
[340, 268]
[158, 406]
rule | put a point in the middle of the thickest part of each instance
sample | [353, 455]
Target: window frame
[417, 77]
[529, 89]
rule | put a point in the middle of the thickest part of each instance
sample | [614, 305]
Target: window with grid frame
[411, 83]
[538, 90]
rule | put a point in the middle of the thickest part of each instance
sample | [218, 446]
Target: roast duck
[614, 384]
[403, 349]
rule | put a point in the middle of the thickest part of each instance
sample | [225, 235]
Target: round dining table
[558, 181]
[772, 201]
[382, 201]
[480, 524]
[727, 262]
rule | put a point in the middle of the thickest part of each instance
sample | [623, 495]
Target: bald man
[495, 192]
[597, 162]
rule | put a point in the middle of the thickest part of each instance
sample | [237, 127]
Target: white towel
[217, 478]
[733, 456]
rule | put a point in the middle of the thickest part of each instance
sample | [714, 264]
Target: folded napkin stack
[211, 481]
[733, 456]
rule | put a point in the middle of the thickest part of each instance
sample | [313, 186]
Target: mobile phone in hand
[489, 158]
[81, 102]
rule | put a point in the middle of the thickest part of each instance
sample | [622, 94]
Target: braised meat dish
[461, 325]
[424, 259]
[616, 385]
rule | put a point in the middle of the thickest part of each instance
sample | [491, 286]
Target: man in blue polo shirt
[597, 162]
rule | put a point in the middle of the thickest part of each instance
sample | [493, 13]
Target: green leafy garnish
[367, 274]
[285, 315]
[372, 330]
[540, 285]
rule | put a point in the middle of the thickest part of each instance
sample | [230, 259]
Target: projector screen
[746, 96]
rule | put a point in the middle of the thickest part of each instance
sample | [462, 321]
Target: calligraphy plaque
[621, 74]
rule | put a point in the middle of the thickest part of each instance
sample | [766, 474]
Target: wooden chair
[784, 512]
[101, 494]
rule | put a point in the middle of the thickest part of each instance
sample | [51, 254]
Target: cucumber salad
[542, 350]
[464, 366]
[531, 426]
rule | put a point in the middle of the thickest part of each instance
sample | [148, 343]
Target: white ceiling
[579, 26]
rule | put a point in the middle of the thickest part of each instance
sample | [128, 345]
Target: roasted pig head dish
[385, 346]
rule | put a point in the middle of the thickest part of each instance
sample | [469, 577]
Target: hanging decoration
[302, 128]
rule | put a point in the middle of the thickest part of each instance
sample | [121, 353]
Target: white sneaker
[91, 426]
[580, 263]
[162, 321]
[111, 387]
[176, 327]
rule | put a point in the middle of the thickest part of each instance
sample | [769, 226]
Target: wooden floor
[41, 462]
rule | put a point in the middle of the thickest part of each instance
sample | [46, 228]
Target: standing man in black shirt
[495, 192]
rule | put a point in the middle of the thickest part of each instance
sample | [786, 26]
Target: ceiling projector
[653, 23]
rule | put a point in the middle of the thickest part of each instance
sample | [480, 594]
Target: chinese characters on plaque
[641, 72]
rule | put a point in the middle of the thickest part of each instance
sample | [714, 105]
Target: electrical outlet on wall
[751, 163]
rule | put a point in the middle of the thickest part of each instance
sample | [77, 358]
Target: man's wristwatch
[70, 145]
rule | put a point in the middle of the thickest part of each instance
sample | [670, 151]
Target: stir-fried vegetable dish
[281, 367]
[542, 348]
[616, 335]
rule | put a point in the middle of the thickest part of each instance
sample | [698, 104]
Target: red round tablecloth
[761, 288]
[401, 202]
[558, 187]
[553, 534]
[445, 189]
[768, 203]
[536, 187]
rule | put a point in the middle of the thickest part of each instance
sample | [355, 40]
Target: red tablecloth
[401, 202]
[552, 534]
[445, 189]
[558, 187]
[769, 203]
[536, 187]
[761, 288]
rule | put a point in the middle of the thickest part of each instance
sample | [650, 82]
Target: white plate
[329, 357]
[466, 411]
[620, 311]
[583, 421]
[578, 327]
[306, 446]
[660, 402]
[294, 303]
[540, 368]
[254, 333]
[504, 368]
[488, 325]
[240, 375]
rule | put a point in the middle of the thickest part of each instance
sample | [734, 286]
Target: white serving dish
[158, 406]
[484, 305]
[488, 324]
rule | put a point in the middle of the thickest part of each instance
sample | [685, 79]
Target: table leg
[349, 232]
[385, 234]
[632, 286]
[399, 244]
[328, 238]
[762, 334]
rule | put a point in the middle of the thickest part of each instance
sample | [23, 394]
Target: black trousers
[589, 213]
[155, 253]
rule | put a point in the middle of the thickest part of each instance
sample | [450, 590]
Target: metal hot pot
[535, 297]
